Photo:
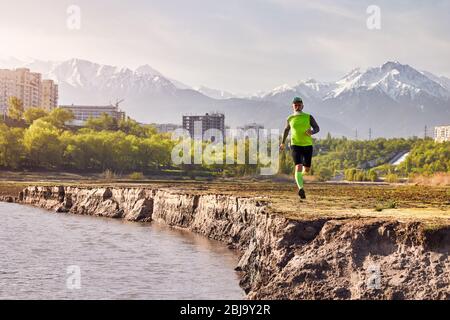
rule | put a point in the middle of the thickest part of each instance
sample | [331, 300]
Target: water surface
[41, 253]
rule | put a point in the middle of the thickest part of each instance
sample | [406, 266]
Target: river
[44, 255]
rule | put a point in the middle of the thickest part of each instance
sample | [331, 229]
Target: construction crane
[119, 101]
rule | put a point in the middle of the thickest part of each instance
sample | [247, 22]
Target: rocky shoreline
[281, 258]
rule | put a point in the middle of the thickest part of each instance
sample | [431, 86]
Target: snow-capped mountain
[310, 90]
[393, 99]
[214, 93]
[394, 79]
[88, 76]
[443, 81]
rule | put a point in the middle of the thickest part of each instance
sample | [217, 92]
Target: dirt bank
[282, 258]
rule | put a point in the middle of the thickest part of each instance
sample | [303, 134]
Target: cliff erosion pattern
[282, 258]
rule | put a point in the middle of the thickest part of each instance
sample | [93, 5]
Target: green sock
[299, 178]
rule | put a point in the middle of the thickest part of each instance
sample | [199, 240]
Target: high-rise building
[205, 122]
[442, 133]
[49, 95]
[28, 87]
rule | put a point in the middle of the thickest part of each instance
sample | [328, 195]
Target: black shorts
[302, 155]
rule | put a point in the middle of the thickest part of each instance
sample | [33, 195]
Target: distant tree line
[368, 160]
[45, 141]
[36, 138]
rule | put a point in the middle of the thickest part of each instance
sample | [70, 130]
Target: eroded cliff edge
[283, 258]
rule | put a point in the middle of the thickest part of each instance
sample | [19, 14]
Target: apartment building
[28, 87]
[442, 133]
[207, 121]
[49, 95]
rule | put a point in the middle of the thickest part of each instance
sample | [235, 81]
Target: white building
[28, 87]
[82, 113]
[442, 133]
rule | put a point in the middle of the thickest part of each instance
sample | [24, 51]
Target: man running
[300, 123]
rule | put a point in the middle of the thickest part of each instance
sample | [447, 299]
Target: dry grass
[430, 204]
[437, 179]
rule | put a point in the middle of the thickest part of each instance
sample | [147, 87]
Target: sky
[241, 46]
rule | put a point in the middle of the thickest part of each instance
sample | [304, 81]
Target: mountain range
[393, 99]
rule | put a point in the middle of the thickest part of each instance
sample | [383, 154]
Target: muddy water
[44, 255]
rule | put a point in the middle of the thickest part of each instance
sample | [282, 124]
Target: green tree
[34, 113]
[58, 117]
[15, 108]
[130, 126]
[104, 122]
[11, 147]
[42, 144]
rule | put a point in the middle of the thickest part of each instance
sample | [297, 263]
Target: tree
[104, 122]
[42, 144]
[11, 148]
[34, 113]
[15, 108]
[130, 126]
[58, 117]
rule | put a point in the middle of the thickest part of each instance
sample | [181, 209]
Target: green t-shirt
[300, 123]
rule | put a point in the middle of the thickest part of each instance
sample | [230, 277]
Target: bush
[324, 174]
[360, 176]
[350, 174]
[136, 176]
[392, 178]
[372, 175]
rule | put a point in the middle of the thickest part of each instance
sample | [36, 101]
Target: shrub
[324, 174]
[392, 178]
[350, 174]
[372, 175]
[136, 176]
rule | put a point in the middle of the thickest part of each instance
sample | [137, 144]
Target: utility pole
[356, 134]
[370, 134]
[425, 135]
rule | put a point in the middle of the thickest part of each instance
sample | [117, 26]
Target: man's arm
[314, 125]
[286, 132]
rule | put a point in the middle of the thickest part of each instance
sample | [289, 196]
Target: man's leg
[299, 176]
[306, 162]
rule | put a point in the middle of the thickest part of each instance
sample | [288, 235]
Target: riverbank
[320, 250]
